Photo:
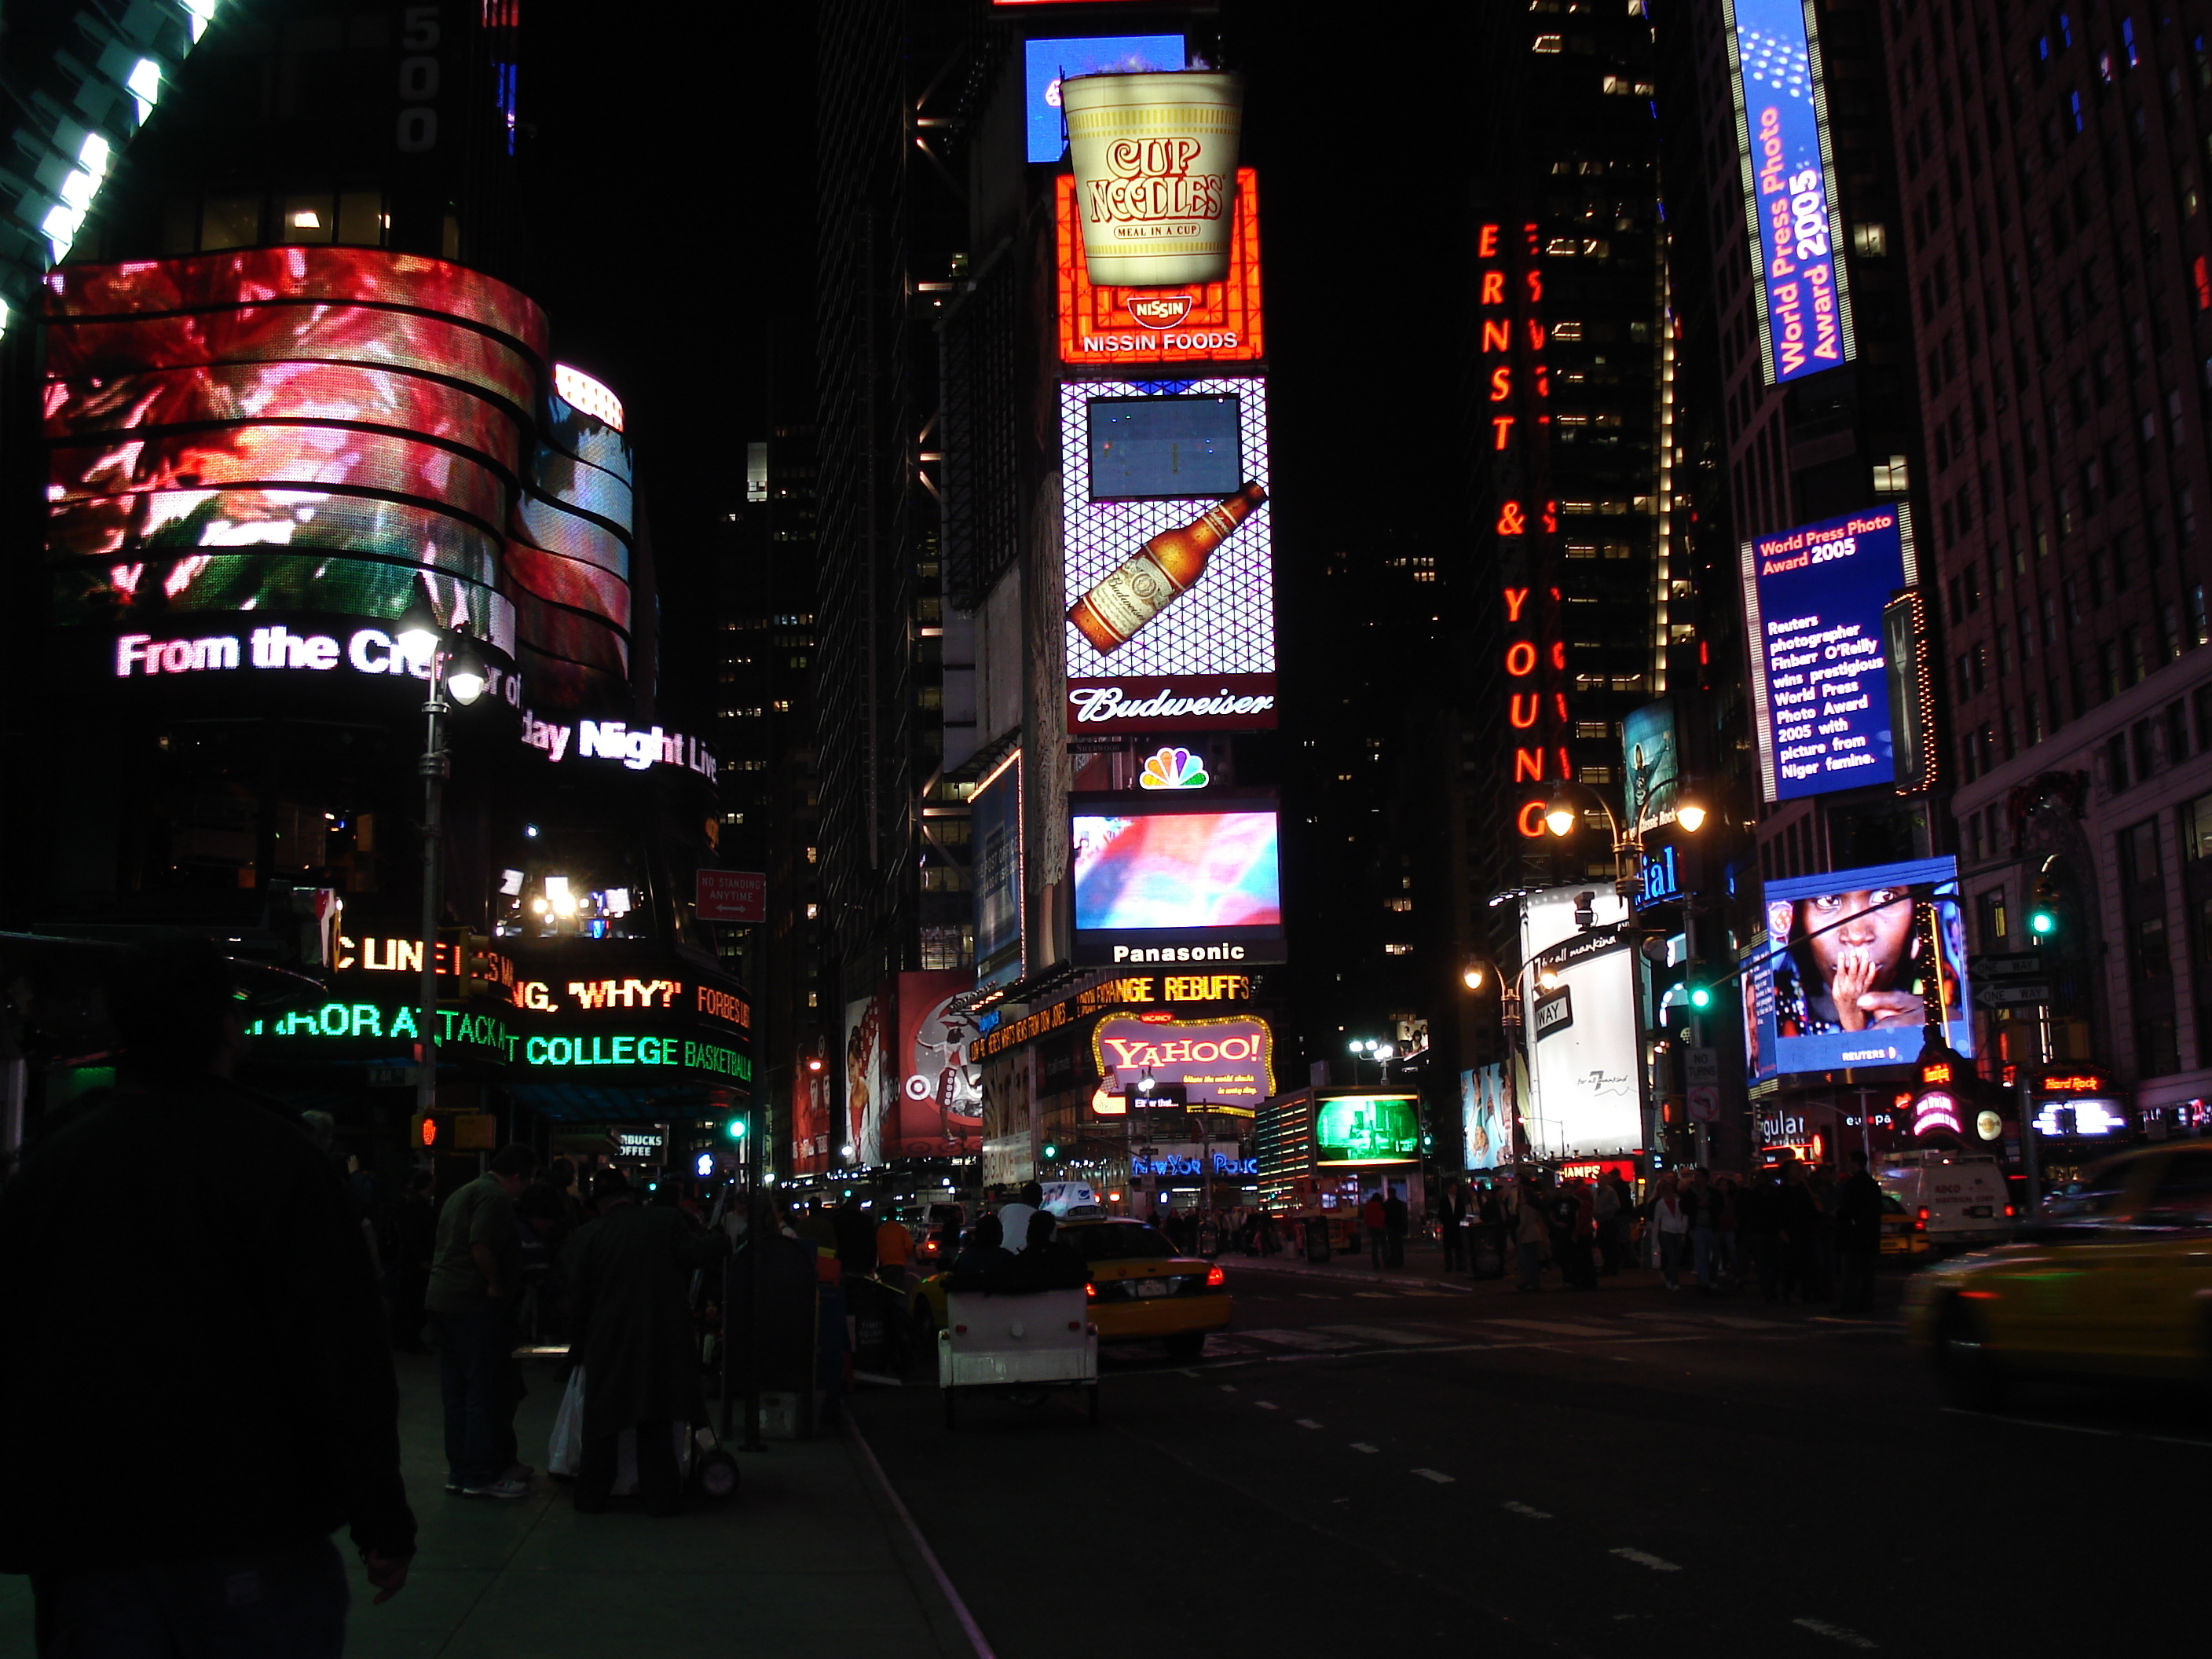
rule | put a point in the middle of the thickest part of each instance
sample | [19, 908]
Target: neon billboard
[1814, 597]
[1216, 322]
[1789, 200]
[1171, 619]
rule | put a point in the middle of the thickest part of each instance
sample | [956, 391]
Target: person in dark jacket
[1858, 1236]
[630, 1320]
[1046, 1262]
[275, 1385]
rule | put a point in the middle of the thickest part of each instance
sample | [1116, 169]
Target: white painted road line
[1296, 1338]
[1229, 1387]
[1307, 1423]
[1398, 1338]
[1523, 1508]
[1361, 1445]
[1266, 1405]
[1850, 1639]
[1642, 1558]
[1436, 1475]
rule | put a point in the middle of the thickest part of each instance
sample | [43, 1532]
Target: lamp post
[450, 661]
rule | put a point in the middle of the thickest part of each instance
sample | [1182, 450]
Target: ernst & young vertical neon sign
[1517, 390]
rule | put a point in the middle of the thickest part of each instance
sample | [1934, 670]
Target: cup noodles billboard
[1167, 555]
[1216, 322]
[1155, 159]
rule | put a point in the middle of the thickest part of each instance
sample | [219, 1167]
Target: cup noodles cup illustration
[1155, 159]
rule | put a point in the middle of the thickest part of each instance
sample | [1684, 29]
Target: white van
[1953, 1201]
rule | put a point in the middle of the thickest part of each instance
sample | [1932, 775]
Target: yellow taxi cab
[1901, 1235]
[2112, 1278]
[1140, 1289]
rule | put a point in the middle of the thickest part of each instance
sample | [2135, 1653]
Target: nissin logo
[1158, 310]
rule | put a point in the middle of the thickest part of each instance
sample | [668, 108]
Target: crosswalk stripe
[1404, 1339]
[1294, 1340]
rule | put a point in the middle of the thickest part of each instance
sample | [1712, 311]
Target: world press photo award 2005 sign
[1814, 597]
[1781, 126]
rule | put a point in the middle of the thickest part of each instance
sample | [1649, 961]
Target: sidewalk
[1425, 1270]
[809, 1557]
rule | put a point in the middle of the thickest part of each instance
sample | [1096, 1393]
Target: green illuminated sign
[368, 1019]
[606, 1048]
[1367, 1129]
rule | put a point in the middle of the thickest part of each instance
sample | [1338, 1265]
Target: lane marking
[968, 1625]
[1379, 1295]
[1307, 1423]
[1295, 1339]
[1850, 1639]
[1558, 1326]
[1229, 1387]
[1644, 1558]
[1436, 1475]
[1266, 1405]
[1518, 1508]
[1362, 1446]
[2079, 1428]
[1402, 1339]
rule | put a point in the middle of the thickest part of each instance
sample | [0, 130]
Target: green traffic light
[2042, 922]
[1051, 1150]
[1701, 996]
[735, 1129]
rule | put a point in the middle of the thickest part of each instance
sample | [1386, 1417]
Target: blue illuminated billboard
[1814, 597]
[1790, 208]
[1048, 62]
[1857, 964]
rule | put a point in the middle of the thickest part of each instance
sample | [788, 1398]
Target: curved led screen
[330, 430]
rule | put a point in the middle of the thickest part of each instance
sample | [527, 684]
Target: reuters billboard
[306, 432]
[1216, 322]
[1168, 558]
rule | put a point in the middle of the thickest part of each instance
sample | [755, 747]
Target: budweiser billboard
[1190, 323]
[1168, 558]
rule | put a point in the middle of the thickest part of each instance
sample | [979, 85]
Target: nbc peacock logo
[1174, 769]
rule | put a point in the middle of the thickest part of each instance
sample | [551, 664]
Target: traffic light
[454, 1132]
[1050, 1150]
[735, 1129]
[481, 965]
[1699, 991]
[2043, 908]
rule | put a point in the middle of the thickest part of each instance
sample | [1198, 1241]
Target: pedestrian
[1670, 1222]
[1697, 1200]
[1758, 1229]
[1532, 1232]
[1858, 1236]
[630, 1320]
[1376, 1219]
[1581, 1267]
[1725, 1216]
[1490, 1231]
[1014, 1218]
[1394, 1229]
[855, 1237]
[894, 1250]
[258, 1307]
[1827, 1194]
[475, 1275]
[1605, 1214]
[1271, 1241]
[1453, 1224]
[1800, 1221]
[411, 1240]
[1047, 1262]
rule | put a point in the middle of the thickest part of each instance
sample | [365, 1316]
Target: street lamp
[1479, 971]
[451, 664]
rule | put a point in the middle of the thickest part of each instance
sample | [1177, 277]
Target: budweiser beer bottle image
[1131, 594]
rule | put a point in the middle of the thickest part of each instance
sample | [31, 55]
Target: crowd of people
[1792, 1232]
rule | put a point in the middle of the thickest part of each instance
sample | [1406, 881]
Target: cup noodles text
[1155, 159]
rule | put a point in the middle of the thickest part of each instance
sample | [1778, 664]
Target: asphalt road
[1623, 1472]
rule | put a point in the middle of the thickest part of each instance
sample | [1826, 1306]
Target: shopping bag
[564, 1456]
[625, 1484]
